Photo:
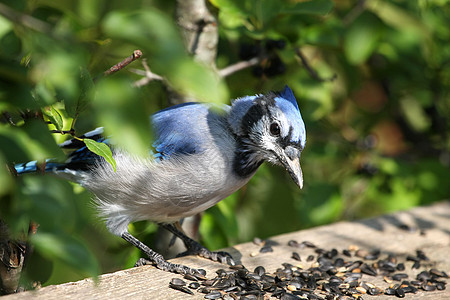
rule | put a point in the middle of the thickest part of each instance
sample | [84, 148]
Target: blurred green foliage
[378, 136]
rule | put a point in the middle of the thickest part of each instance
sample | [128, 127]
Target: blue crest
[287, 94]
[288, 104]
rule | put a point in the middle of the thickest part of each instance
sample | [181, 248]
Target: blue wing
[177, 129]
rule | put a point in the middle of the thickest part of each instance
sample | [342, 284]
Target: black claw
[225, 254]
[224, 257]
[195, 248]
[142, 262]
[158, 260]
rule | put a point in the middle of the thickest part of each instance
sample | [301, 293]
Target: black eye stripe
[286, 141]
[259, 109]
[288, 137]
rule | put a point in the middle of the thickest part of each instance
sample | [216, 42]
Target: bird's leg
[196, 248]
[179, 225]
[159, 261]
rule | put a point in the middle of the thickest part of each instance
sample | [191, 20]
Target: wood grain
[429, 230]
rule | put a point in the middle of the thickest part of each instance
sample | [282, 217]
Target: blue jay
[203, 153]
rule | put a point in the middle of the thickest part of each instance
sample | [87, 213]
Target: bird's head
[271, 129]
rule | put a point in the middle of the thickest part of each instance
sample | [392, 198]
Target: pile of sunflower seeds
[331, 275]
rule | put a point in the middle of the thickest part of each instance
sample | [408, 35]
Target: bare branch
[310, 70]
[7, 116]
[199, 29]
[119, 66]
[25, 20]
[149, 75]
[355, 12]
[227, 71]
[71, 132]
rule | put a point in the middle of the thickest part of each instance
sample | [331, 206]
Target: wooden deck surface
[401, 233]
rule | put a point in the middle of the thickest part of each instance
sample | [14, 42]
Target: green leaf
[32, 141]
[67, 249]
[398, 18]
[314, 7]
[47, 200]
[195, 80]
[15, 86]
[102, 150]
[415, 114]
[89, 11]
[61, 70]
[362, 38]
[86, 84]
[166, 54]
[163, 46]
[5, 26]
[54, 117]
[232, 9]
[121, 110]
[321, 35]
[44, 93]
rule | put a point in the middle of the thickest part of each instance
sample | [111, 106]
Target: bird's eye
[275, 129]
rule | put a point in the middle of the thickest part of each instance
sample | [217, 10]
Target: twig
[355, 12]
[238, 66]
[149, 75]
[310, 70]
[71, 132]
[119, 66]
[25, 20]
[8, 118]
[13, 172]
[28, 247]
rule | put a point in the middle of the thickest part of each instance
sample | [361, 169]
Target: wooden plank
[428, 229]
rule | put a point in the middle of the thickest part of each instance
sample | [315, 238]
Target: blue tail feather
[33, 167]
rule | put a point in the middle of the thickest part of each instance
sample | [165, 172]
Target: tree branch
[119, 66]
[71, 132]
[8, 118]
[149, 75]
[355, 12]
[25, 20]
[227, 71]
[310, 70]
[199, 30]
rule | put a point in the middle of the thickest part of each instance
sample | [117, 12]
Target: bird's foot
[171, 267]
[219, 256]
[195, 248]
[158, 260]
